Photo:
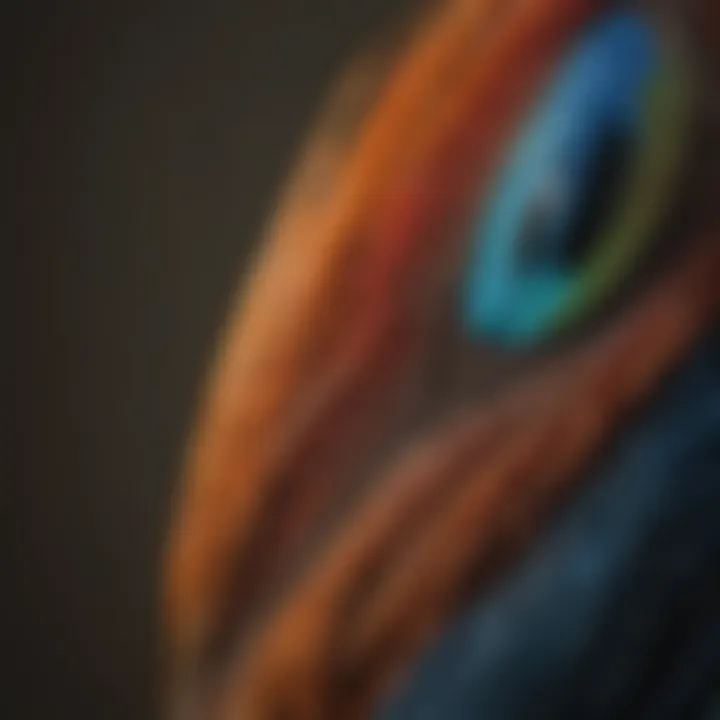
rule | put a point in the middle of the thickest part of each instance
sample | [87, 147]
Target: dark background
[146, 142]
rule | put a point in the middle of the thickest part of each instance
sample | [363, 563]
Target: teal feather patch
[583, 187]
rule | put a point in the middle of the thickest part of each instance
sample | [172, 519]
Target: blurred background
[147, 142]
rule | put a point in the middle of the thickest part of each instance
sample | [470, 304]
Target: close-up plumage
[367, 360]
[465, 378]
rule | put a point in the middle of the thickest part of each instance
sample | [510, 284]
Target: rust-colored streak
[298, 486]
[262, 364]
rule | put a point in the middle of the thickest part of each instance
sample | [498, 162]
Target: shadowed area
[147, 144]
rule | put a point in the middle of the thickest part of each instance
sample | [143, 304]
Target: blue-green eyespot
[582, 194]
